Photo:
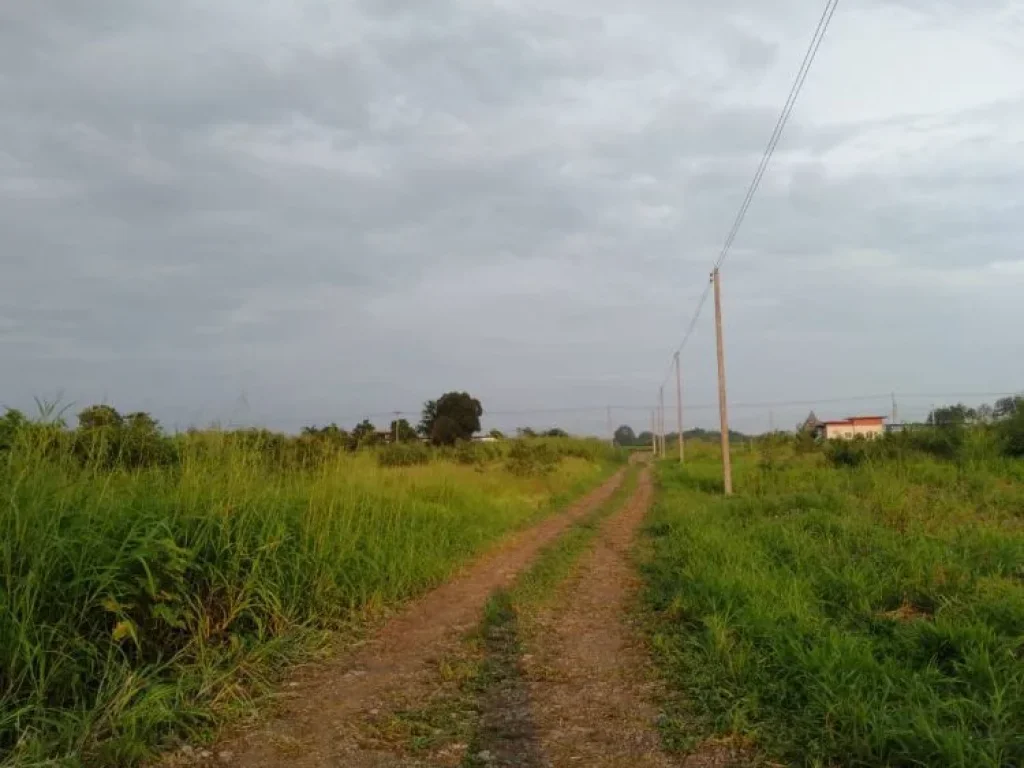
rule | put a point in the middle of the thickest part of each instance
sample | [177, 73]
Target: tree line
[625, 437]
[106, 437]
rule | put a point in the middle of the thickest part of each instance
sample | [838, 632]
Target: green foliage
[452, 417]
[364, 434]
[1006, 407]
[11, 424]
[556, 432]
[139, 603]
[865, 617]
[477, 454]
[805, 441]
[953, 415]
[404, 431]
[446, 431]
[847, 453]
[531, 457]
[1012, 433]
[625, 436]
[403, 455]
[100, 417]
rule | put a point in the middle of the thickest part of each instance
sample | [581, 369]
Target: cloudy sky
[300, 211]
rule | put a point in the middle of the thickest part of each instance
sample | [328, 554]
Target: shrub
[1012, 433]
[403, 455]
[527, 457]
[846, 453]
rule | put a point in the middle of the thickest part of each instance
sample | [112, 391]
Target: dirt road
[320, 713]
[586, 695]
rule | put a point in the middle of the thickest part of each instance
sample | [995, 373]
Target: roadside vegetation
[855, 604]
[151, 585]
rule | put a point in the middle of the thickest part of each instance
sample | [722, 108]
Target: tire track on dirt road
[320, 715]
[591, 687]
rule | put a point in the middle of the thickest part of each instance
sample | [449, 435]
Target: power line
[809, 401]
[769, 151]
[780, 125]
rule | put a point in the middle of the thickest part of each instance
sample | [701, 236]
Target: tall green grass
[871, 615]
[141, 605]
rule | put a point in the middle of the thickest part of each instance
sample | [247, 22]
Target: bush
[944, 442]
[403, 455]
[528, 457]
[846, 453]
[1011, 431]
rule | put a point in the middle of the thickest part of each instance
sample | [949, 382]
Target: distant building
[854, 426]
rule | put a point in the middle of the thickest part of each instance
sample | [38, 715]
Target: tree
[331, 435]
[403, 430]
[644, 438]
[952, 416]
[810, 424]
[99, 416]
[427, 419]
[141, 423]
[625, 436]
[446, 431]
[1006, 407]
[497, 434]
[461, 414]
[1012, 431]
[12, 422]
[556, 432]
[364, 434]
[525, 432]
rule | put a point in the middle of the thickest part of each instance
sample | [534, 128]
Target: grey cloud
[198, 201]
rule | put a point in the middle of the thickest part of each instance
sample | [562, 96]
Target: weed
[142, 601]
[862, 616]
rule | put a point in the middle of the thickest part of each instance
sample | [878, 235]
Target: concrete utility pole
[654, 432]
[895, 410]
[611, 429]
[723, 408]
[679, 408]
[661, 419]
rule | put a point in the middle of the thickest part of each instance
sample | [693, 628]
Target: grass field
[138, 605]
[870, 615]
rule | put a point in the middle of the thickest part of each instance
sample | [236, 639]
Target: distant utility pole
[679, 407]
[611, 429]
[895, 410]
[661, 419]
[654, 432]
[723, 408]
[397, 414]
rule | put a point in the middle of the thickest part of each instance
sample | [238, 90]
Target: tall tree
[625, 436]
[452, 417]
[429, 416]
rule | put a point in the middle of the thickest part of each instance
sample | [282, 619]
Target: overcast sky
[291, 212]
